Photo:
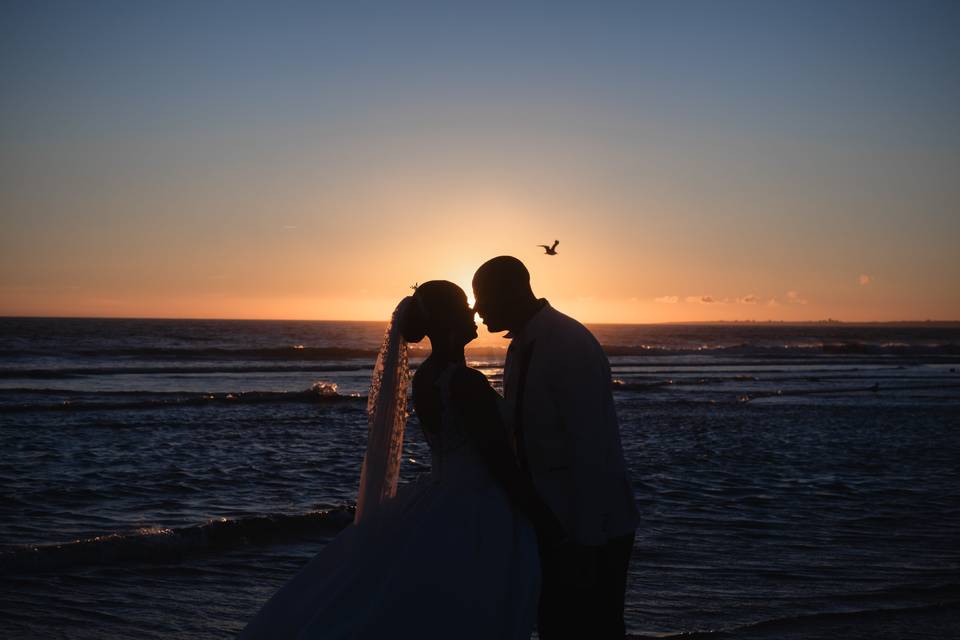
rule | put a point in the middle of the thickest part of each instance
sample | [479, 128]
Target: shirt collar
[525, 333]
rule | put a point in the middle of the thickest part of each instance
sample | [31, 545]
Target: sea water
[164, 477]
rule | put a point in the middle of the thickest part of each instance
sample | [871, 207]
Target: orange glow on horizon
[643, 261]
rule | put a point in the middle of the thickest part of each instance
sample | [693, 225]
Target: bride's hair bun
[413, 325]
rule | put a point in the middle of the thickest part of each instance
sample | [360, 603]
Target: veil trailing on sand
[387, 416]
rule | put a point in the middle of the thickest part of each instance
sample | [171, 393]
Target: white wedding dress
[446, 557]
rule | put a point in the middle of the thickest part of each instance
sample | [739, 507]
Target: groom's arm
[580, 390]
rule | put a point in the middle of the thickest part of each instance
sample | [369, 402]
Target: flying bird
[550, 251]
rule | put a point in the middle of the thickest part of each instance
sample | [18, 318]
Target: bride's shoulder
[468, 386]
[427, 371]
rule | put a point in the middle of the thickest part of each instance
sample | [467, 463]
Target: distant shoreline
[817, 323]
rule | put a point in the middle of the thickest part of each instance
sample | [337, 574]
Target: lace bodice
[451, 441]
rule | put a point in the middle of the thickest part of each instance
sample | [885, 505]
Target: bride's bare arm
[478, 401]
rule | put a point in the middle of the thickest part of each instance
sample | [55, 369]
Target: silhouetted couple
[527, 516]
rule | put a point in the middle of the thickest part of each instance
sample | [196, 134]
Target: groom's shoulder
[559, 321]
[566, 329]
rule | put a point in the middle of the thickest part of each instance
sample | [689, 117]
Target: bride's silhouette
[452, 555]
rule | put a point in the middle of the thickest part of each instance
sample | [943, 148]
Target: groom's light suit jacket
[558, 390]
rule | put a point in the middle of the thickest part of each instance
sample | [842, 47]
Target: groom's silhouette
[557, 384]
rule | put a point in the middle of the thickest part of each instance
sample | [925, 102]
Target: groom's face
[491, 309]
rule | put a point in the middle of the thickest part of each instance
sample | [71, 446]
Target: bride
[451, 555]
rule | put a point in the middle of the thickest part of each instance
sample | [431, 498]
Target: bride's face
[463, 329]
[450, 318]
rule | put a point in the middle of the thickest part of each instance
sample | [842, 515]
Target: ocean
[163, 477]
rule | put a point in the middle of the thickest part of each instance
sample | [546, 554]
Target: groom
[557, 384]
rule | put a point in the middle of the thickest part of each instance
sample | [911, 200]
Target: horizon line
[687, 322]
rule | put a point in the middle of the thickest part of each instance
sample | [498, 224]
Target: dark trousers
[583, 589]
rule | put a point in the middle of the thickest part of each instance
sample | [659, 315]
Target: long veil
[386, 416]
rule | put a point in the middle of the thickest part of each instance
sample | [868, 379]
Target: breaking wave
[166, 544]
[320, 392]
[788, 350]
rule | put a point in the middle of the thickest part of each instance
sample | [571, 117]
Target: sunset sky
[696, 160]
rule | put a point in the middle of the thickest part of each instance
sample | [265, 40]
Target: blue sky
[212, 158]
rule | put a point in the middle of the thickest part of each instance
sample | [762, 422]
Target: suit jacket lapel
[523, 367]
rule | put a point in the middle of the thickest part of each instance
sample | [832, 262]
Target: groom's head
[501, 288]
